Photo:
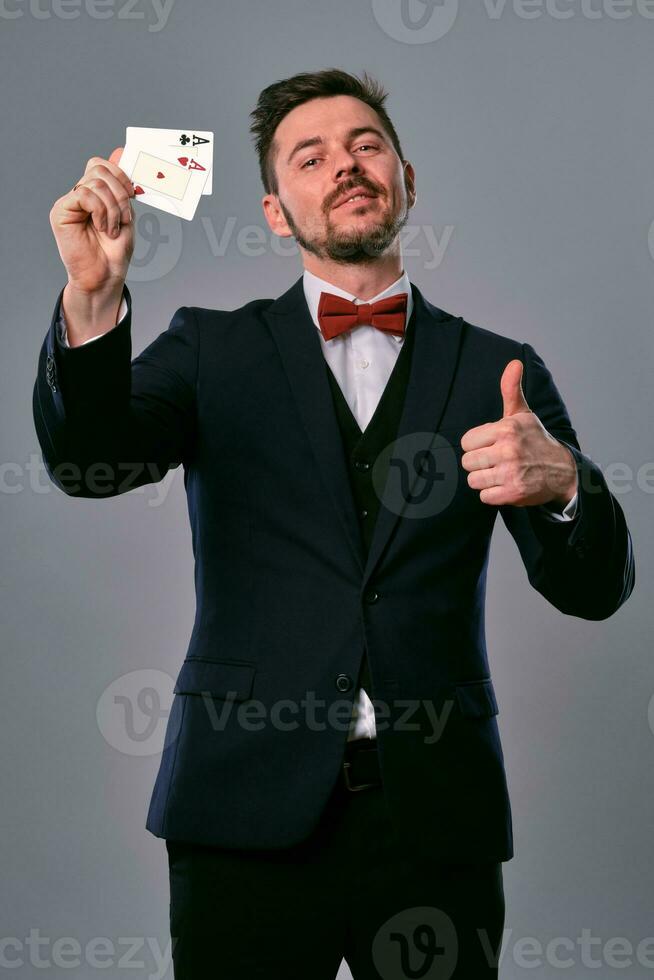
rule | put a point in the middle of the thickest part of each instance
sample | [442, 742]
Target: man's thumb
[513, 399]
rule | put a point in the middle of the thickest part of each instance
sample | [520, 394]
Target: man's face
[354, 155]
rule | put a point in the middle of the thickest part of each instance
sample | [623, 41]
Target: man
[346, 451]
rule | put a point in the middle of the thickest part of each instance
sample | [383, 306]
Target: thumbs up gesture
[515, 460]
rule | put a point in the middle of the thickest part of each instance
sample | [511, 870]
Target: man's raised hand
[94, 228]
[515, 460]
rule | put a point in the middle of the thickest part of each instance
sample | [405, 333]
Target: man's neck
[363, 281]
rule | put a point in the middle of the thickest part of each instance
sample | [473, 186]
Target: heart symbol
[159, 175]
[138, 189]
[182, 160]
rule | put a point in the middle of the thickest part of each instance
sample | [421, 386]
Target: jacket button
[371, 596]
[364, 513]
[362, 464]
[343, 682]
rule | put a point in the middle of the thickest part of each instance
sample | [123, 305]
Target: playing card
[195, 142]
[170, 182]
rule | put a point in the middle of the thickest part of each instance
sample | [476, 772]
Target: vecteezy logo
[157, 245]
[420, 943]
[417, 475]
[415, 21]
[132, 712]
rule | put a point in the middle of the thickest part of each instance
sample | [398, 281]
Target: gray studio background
[530, 131]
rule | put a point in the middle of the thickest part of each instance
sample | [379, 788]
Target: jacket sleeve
[63, 333]
[106, 423]
[584, 567]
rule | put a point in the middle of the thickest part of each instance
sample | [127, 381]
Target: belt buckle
[353, 788]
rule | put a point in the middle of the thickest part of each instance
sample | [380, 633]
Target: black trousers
[348, 891]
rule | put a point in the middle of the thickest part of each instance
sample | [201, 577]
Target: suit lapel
[433, 363]
[298, 343]
[436, 346]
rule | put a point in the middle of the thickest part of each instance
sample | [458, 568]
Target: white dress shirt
[362, 360]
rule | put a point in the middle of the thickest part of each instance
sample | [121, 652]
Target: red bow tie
[337, 314]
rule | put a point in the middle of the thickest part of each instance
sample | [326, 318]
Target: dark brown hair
[278, 99]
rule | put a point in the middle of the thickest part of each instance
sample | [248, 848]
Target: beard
[353, 245]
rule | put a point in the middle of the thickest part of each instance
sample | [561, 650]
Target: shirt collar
[314, 286]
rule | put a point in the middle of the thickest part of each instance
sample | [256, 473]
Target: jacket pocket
[476, 699]
[226, 679]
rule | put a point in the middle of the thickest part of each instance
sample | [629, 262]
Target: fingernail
[116, 231]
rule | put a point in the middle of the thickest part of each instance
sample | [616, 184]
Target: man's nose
[347, 167]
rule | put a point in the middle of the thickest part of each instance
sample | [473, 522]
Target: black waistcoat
[362, 449]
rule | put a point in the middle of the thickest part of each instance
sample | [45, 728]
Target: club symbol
[184, 139]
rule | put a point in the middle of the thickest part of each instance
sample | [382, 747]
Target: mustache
[360, 186]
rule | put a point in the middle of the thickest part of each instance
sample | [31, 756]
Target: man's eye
[370, 146]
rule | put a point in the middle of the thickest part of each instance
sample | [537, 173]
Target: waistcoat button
[343, 682]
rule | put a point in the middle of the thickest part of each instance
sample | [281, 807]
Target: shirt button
[362, 464]
[343, 682]
[363, 364]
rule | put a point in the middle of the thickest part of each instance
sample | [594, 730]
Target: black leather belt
[361, 764]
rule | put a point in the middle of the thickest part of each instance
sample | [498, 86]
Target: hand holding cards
[92, 223]
[93, 228]
[170, 168]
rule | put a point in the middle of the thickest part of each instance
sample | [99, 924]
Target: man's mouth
[354, 198]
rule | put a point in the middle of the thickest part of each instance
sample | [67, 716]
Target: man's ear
[410, 182]
[275, 216]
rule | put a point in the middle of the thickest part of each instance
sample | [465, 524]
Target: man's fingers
[97, 199]
[118, 190]
[480, 459]
[481, 435]
[113, 169]
[91, 202]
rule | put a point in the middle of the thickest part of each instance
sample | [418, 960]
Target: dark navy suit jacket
[286, 600]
